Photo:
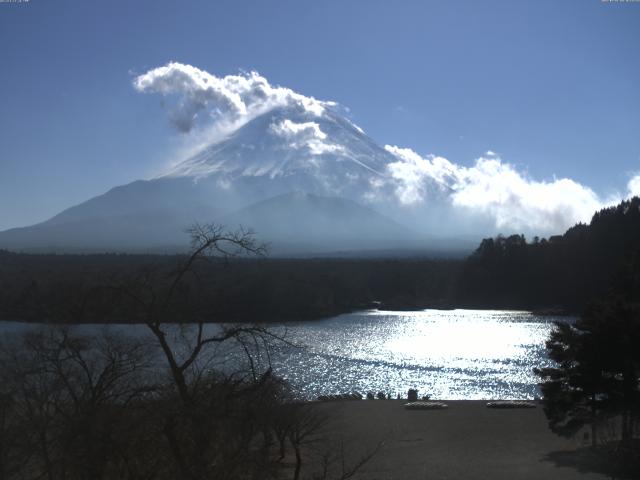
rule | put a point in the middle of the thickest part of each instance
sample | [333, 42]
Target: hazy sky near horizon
[552, 86]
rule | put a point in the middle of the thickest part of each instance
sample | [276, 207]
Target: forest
[563, 272]
[73, 289]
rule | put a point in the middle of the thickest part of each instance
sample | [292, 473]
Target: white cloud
[304, 135]
[292, 130]
[495, 189]
[230, 101]
[415, 174]
[518, 202]
[634, 185]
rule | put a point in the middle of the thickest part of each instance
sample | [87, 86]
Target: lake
[448, 354]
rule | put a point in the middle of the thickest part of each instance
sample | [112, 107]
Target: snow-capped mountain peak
[293, 142]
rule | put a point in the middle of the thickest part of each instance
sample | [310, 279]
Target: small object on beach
[426, 397]
[370, 396]
[422, 405]
[381, 396]
[412, 394]
[511, 404]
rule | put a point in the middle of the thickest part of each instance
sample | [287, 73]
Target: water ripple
[456, 354]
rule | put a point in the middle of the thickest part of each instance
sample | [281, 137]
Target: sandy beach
[465, 441]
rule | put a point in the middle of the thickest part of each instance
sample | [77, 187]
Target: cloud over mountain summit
[492, 190]
[232, 99]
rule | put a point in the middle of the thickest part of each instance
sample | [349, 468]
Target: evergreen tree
[598, 365]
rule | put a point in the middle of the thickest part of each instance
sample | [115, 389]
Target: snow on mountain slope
[286, 149]
[289, 148]
[283, 150]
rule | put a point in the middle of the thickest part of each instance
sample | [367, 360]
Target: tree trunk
[625, 427]
[296, 473]
[594, 441]
[174, 447]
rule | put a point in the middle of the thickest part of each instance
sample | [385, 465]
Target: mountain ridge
[285, 150]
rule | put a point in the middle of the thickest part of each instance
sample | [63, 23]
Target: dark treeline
[564, 272]
[72, 287]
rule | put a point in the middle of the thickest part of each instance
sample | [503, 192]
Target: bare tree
[304, 428]
[336, 460]
[75, 407]
[70, 402]
[205, 429]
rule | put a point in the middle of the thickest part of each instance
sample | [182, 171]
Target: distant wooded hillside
[566, 271]
[70, 288]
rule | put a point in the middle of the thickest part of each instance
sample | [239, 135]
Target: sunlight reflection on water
[455, 354]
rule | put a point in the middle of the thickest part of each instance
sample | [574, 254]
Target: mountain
[299, 222]
[247, 177]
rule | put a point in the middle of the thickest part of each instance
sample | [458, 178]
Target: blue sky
[552, 86]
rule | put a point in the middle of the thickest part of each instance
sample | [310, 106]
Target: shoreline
[378, 308]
